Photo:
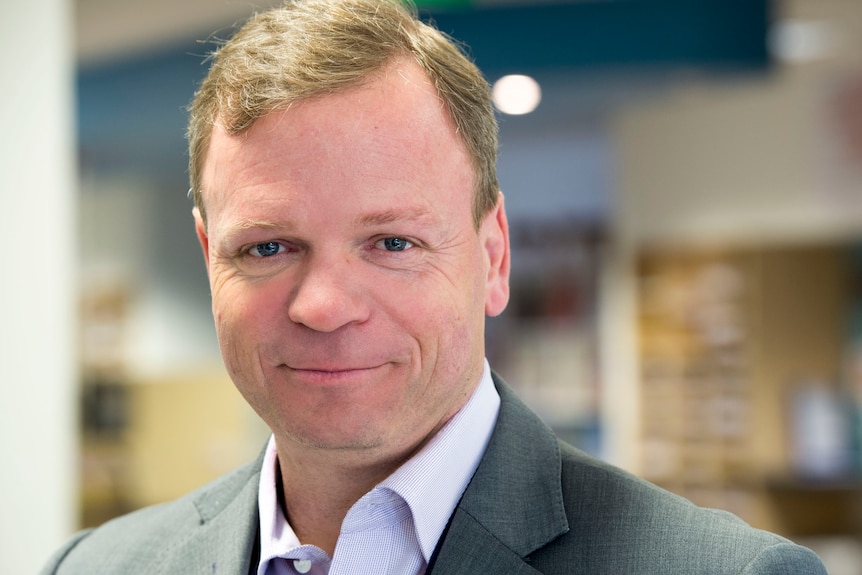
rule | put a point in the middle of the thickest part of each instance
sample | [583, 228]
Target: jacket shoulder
[627, 525]
[134, 543]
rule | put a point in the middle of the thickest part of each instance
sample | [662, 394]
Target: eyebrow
[389, 216]
[238, 227]
[379, 218]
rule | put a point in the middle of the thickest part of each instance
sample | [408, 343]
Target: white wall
[754, 160]
[37, 365]
[742, 163]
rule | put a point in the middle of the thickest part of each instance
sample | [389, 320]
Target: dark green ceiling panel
[613, 34]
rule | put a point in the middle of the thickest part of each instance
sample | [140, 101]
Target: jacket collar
[514, 503]
[226, 540]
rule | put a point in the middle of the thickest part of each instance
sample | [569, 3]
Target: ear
[201, 229]
[495, 237]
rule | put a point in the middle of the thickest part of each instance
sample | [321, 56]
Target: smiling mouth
[329, 374]
[332, 370]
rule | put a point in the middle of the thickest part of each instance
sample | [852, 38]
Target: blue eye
[395, 244]
[265, 250]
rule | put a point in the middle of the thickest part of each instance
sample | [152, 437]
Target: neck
[317, 490]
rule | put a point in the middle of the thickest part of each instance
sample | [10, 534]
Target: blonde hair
[310, 48]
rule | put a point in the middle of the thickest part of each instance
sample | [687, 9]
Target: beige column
[38, 261]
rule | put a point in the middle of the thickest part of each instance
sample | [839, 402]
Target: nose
[327, 296]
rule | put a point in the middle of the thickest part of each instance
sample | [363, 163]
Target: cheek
[240, 303]
[446, 319]
[244, 313]
[459, 297]
[231, 340]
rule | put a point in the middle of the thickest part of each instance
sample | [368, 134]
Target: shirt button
[302, 565]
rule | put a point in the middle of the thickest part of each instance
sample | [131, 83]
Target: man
[343, 170]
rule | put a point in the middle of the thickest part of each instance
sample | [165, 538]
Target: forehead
[393, 130]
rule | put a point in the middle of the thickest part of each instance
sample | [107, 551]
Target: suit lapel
[514, 503]
[225, 541]
[469, 549]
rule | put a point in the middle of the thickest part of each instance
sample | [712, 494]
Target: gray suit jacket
[535, 505]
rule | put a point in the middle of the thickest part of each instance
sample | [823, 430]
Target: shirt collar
[276, 535]
[434, 479]
[431, 482]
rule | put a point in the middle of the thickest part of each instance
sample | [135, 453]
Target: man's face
[349, 282]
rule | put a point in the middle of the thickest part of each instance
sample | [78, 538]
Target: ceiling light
[516, 94]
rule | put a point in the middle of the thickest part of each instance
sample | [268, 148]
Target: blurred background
[684, 186]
